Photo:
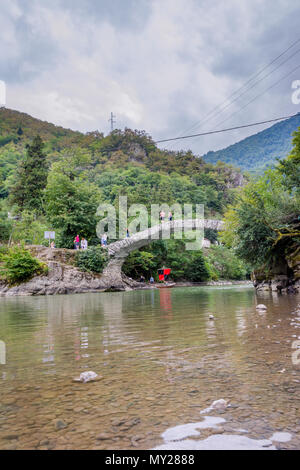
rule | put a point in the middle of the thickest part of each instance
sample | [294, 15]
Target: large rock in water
[64, 278]
[282, 278]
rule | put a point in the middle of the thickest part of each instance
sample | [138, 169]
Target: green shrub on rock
[91, 260]
[17, 265]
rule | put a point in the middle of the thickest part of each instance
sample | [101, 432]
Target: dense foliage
[218, 263]
[264, 225]
[71, 199]
[91, 260]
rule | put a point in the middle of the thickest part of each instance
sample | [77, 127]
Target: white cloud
[184, 57]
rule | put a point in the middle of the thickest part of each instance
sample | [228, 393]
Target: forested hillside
[54, 179]
[124, 161]
[259, 151]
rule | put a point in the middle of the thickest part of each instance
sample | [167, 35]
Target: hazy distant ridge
[260, 150]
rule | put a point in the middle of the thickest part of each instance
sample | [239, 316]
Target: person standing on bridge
[127, 233]
[162, 216]
[170, 216]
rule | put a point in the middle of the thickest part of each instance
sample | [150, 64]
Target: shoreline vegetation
[58, 272]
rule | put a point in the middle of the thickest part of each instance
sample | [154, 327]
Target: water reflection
[161, 357]
[165, 299]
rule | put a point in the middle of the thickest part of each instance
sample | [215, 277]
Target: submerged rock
[216, 405]
[85, 377]
[261, 307]
[59, 425]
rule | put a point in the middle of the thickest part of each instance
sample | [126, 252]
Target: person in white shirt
[84, 244]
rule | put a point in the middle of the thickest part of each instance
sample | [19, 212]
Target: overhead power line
[258, 96]
[217, 131]
[219, 108]
[226, 130]
[249, 88]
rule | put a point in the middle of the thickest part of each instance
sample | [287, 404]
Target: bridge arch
[118, 251]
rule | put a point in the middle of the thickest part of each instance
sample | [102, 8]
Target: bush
[17, 265]
[139, 263]
[93, 259]
[226, 264]
[198, 270]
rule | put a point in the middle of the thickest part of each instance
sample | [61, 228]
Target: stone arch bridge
[118, 251]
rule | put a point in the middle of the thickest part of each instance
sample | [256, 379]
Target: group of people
[162, 216]
[142, 279]
[80, 244]
[83, 244]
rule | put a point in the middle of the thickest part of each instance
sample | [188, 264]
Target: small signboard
[49, 235]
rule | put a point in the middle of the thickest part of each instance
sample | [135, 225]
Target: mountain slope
[260, 150]
[14, 124]
[123, 162]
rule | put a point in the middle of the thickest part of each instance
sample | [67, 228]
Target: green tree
[290, 167]
[197, 269]
[263, 226]
[226, 264]
[31, 178]
[5, 226]
[29, 229]
[139, 263]
[71, 199]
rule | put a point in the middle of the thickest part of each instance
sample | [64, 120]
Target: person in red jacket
[77, 242]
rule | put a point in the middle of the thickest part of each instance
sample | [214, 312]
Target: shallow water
[162, 362]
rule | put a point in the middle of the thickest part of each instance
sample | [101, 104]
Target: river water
[162, 363]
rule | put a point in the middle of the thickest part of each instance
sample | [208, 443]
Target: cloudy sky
[159, 65]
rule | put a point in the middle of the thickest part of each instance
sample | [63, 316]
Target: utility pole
[112, 121]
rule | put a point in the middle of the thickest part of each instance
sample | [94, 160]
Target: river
[162, 362]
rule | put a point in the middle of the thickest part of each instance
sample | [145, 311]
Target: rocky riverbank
[282, 278]
[65, 278]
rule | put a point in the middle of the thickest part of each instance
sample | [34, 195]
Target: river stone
[59, 425]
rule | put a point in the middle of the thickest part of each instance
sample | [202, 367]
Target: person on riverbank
[104, 240]
[77, 242]
[151, 280]
[84, 244]
[52, 246]
[127, 233]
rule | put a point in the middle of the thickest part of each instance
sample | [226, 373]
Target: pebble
[59, 425]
